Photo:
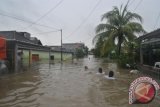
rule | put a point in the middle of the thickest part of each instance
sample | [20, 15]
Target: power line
[90, 37]
[138, 5]
[45, 32]
[131, 2]
[53, 8]
[26, 21]
[85, 19]
[157, 21]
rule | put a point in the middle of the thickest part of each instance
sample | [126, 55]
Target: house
[69, 47]
[150, 47]
[35, 40]
[149, 51]
[66, 53]
[57, 48]
[20, 36]
[20, 45]
[73, 46]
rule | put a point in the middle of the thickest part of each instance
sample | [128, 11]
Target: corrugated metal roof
[19, 36]
[153, 34]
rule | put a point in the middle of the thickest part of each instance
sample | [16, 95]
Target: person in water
[86, 67]
[110, 75]
[100, 70]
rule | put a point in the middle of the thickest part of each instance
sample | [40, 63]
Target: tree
[79, 53]
[98, 46]
[121, 26]
[85, 50]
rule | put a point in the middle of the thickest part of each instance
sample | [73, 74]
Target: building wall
[25, 57]
[57, 55]
[67, 56]
[42, 55]
[45, 55]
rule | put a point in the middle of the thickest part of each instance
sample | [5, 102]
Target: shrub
[126, 59]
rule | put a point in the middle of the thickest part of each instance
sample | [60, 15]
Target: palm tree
[121, 26]
[98, 47]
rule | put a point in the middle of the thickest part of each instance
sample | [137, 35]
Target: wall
[66, 56]
[45, 55]
[42, 55]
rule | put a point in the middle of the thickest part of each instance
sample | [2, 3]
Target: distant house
[73, 46]
[35, 40]
[55, 48]
[20, 46]
[20, 36]
[58, 49]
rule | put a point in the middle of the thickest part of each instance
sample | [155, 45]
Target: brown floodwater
[67, 85]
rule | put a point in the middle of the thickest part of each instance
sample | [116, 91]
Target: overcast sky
[77, 18]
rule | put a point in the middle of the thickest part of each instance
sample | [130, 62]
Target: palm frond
[111, 14]
[124, 10]
[129, 36]
[132, 16]
[108, 44]
[121, 24]
[100, 35]
[104, 27]
[135, 27]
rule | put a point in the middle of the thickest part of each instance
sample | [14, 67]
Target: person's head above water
[100, 70]
[85, 67]
[111, 74]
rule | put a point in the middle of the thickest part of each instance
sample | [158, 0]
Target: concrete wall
[42, 55]
[45, 55]
[25, 57]
[66, 56]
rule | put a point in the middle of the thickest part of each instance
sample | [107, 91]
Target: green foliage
[85, 50]
[80, 53]
[113, 55]
[125, 59]
[97, 50]
[120, 25]
[128, 55]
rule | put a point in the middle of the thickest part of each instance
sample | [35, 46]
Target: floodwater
[67, 85]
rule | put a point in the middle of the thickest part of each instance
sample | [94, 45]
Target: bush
[80, 53]
[126, 59]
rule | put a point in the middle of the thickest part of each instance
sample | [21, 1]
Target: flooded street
[67, 85]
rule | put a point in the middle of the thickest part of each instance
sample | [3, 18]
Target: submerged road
[67, 85]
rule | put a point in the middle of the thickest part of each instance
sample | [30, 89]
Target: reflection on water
[66, 85]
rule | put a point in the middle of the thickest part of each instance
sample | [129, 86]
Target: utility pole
[61, 47]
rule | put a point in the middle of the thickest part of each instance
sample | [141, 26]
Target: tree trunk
[119, 44]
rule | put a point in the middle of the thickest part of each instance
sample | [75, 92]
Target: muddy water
[67, 85]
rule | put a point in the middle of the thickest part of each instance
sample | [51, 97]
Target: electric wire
[138, 5]
[80, 25]
[157, 20]
[129, 5]
[53, 8]
[131, 2]
[26, 21]
[45, 32]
